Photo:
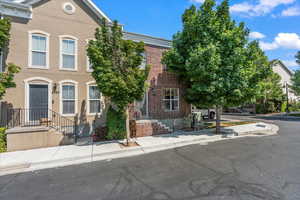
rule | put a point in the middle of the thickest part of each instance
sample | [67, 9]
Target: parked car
[207, 114]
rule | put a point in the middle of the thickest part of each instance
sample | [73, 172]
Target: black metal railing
[40, 117]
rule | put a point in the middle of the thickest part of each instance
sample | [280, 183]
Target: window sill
[70, 70]
[68, 115]
[38, 67]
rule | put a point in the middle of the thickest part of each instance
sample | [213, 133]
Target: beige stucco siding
[49, 17]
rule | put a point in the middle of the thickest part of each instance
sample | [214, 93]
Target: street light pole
[287, 97]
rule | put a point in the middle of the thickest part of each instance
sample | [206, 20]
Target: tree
[296, 82]
[296, 77]
[213, 57]
[269, 92]
[116, 67]
[298, 57]
[7, 77]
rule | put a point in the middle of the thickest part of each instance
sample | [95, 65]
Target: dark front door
[38, 102]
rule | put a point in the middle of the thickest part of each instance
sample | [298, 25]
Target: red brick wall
[149, 128]
[158, 80]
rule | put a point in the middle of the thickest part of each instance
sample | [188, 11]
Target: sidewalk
[30, 160]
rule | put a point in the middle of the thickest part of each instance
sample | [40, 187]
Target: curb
[25, 167]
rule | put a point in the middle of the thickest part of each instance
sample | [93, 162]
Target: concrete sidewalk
[30, 160]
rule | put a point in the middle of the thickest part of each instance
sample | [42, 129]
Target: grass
[295, 115]
[227, 124]
[2, 140]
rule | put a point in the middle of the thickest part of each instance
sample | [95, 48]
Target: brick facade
[159, 79]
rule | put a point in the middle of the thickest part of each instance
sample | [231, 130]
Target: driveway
[266, 168]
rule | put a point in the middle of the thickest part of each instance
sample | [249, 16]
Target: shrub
[116, 124]
[283, 106]
[2, 140]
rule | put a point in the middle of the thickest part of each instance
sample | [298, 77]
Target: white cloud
[290, 63]
[261, 8]
[197, 1]
[292, 11]
[283, 40]
[256, 35]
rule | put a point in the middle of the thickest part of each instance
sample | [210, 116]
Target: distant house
[286, 74]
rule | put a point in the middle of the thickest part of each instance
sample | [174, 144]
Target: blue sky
[276, 23]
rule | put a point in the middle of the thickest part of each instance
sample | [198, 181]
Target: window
[89, 65]
[171, 99]
[68, 98]
[94, 100]
[38, 55]
[68, 57]
[144, 61]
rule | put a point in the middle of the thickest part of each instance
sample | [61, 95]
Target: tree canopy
[296, 77]
[116, 65]
[213, 56]
[7, 77]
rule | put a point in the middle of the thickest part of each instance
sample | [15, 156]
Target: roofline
[147, 39]
[284, 66]
[9, 8]
[29, 3]
[96, 10]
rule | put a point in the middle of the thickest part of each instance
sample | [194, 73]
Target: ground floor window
[68, 99]
[171, 99]
[94, 99]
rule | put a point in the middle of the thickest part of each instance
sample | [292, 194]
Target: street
[254, 168]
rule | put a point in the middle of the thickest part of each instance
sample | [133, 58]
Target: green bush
[116, 124]
[260, 109]
[295, 107]
[2, 140]
[283, 106]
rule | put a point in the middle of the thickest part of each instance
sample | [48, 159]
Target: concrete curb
[25, 167]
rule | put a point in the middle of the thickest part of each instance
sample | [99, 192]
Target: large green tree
[7, 77]
[269, 92]
[298, 57]
[213, 57]
[116, 67]
[296, 77]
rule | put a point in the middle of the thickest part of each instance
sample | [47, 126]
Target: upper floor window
[39, 50]
[68, 53]
[171, 99]
[144, 61]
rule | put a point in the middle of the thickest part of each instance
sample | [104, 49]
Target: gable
[28, 4]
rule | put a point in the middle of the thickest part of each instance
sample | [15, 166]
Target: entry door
[38, 102]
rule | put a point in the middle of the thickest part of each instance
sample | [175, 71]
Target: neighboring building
[286, 74]
[49, 40]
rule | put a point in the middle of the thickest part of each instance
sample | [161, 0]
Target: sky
[275, 23]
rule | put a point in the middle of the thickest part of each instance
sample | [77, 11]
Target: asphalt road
[264, 168]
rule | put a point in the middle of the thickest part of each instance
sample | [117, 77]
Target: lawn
[295, 115]
[227, 124]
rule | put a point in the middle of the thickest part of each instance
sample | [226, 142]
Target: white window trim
[42, 33]
[75, 84]
[171, 100]
[61, 38]
[87, 58]
[39, 81]
[92, 83]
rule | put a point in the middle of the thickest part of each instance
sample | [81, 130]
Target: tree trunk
[128, 139]
[218, 119]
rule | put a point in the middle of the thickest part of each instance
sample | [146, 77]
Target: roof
[23, 9]
[28, 5]
[277, 61]
[150, 40]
